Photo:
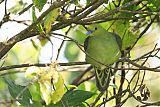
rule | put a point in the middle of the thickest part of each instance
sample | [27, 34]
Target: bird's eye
[95, 28]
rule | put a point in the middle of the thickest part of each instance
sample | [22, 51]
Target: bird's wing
[118, 40]
[86, 43]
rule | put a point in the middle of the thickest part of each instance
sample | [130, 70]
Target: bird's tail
[103, 78]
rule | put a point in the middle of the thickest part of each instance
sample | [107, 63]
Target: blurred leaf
[39, 4]
[35, 92]
[128, 38]
[3, 84]
[17, 7]
[71, 51]
[79, 34]
[42, 40]
[16, 90]
[34, 44]
[154, 4]
[59, 90]
[50, 19]
[34, 18]
[46, 93]
[39, 27]
[88, 2]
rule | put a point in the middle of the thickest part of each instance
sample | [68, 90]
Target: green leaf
[15, 90]
[75, 98]
[35, 91]
[45, 92]
[42, 40]
[39, 27]
[59, 92]
[39, 4]
[17, 7]
[34, 18]
[34, 44]
[36, 104]
[50, 18]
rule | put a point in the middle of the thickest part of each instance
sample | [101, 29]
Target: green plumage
[103, 48]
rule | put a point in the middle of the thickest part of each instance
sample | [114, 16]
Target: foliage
[59, 28]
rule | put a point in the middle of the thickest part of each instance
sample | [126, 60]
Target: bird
[102, 50]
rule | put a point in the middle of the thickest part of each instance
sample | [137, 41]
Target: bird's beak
[89, 32]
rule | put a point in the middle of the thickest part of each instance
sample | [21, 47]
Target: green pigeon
[102, 49]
